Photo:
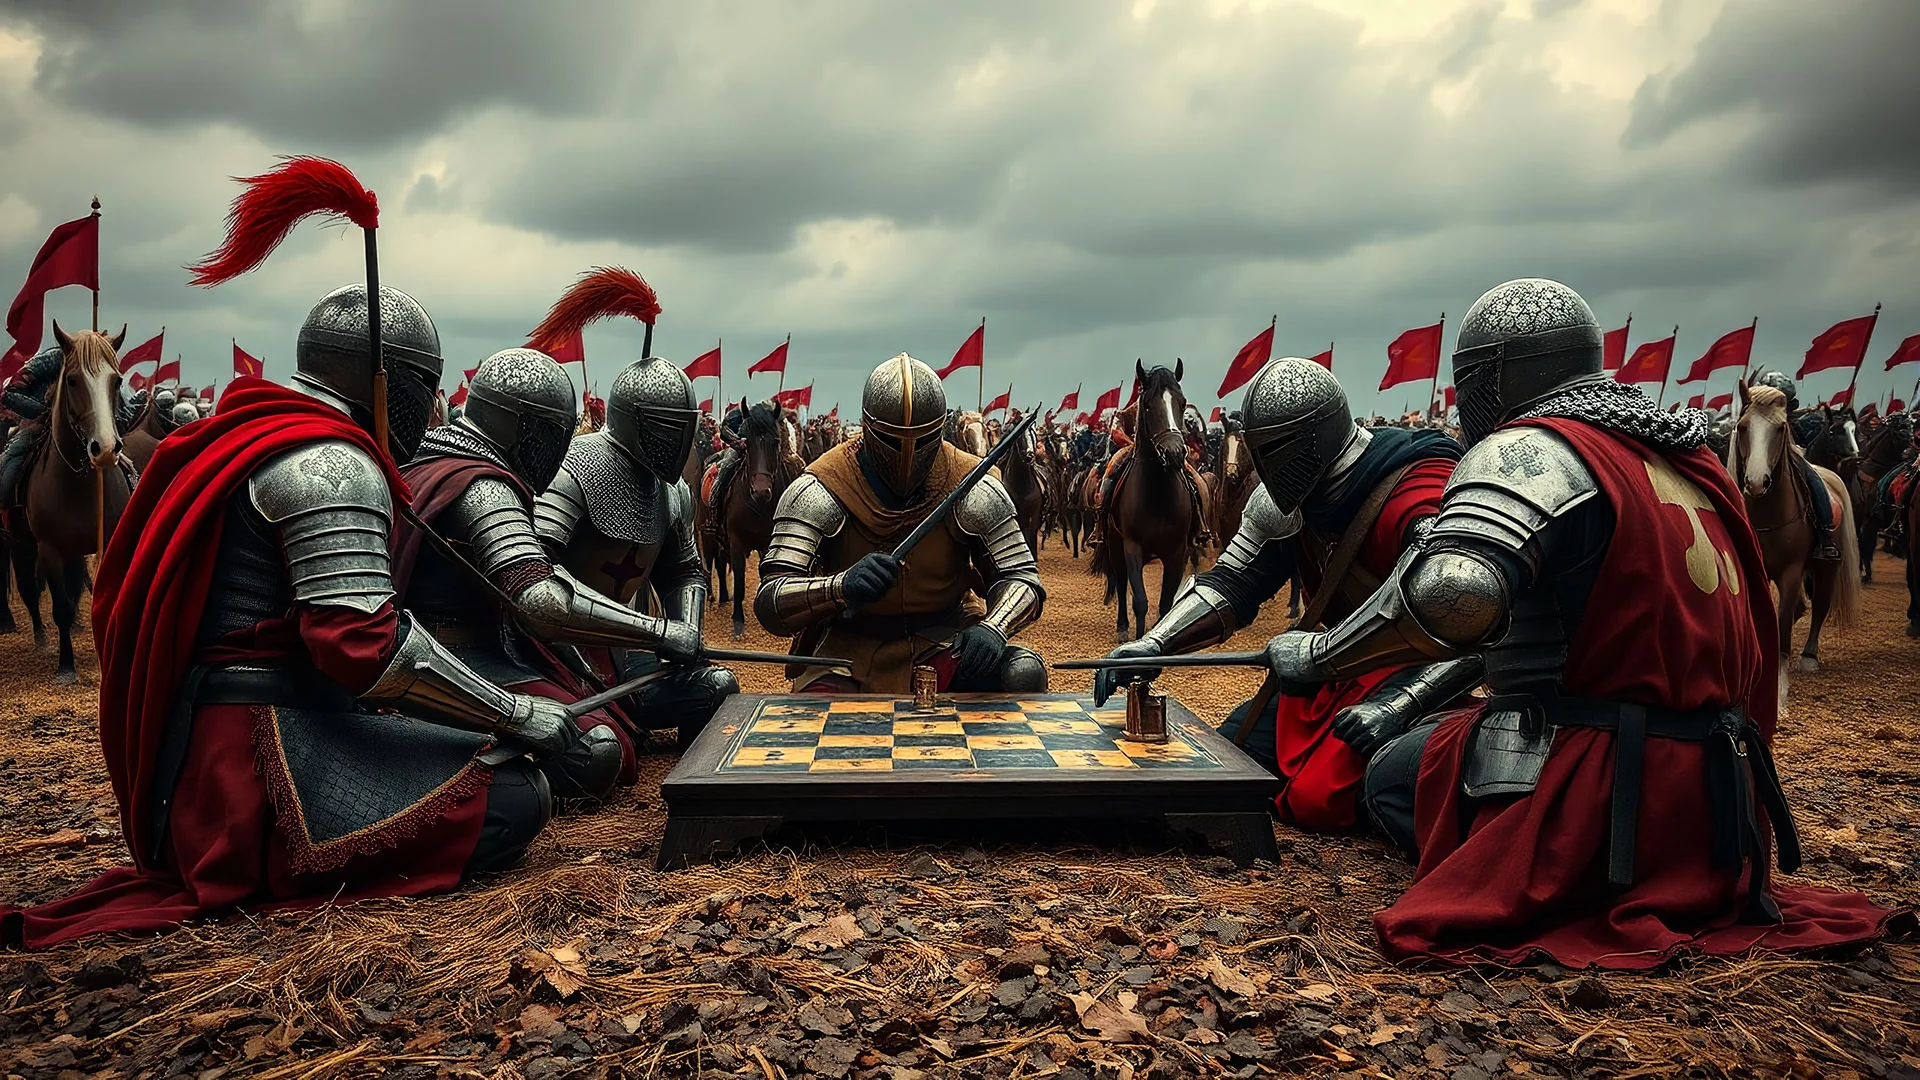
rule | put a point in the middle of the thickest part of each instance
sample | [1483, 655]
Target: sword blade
[1219, 659]
[748, 656]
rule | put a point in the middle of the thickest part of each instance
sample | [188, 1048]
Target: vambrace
[1381, 632]
[792, 597]
[1421, 690]
[424, 680]
[1201, 615]
[561, 609]
[789, 603]
[1012, 604]
[1258, 562]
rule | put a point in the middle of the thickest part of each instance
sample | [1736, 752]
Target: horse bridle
[1776, 467]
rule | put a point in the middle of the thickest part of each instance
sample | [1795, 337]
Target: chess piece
[926, 687]
[1146, 713]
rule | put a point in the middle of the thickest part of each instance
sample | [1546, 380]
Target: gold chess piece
[1146, 713]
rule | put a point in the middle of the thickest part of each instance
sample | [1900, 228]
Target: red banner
[1842, 345]
[773, 361]
[973, 352]
[999, 403]
[459, 395]
[1723, 401]
[71, 256]
[136, 382]
[573, 350]
[246, 364]
[707, 406]
[1733, 350]
[147, 352]
[1324, 359]
[1070, 402]
[1697, 401]
[1868, 411]
[1248, 361]
[705, 366]
[1907, 353]
[1108, 400]
[1896, 405]
[1840, 397]
[1219, 414]
[794, 399]
[167, 373]
[1613, 347]
[1650, 363]
[1413, 356]
[1446, 396]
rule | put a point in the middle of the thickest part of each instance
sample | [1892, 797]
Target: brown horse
[75, 476]
[1020, 473]
[143, 437]
[969, 433]
[769, 462]
[1879, 456]
[1913, 566]
[1237, 478]
[1761, 459]
[1150, 514]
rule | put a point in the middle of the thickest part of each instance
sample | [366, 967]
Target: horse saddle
[1198, 499]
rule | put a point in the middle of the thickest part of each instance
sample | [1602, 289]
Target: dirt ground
[1110, 956]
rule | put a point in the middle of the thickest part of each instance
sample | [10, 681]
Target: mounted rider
[1806, 426]
[481, 583]
[619, 519]
[732, 447]
[252, 656]
[829, 581]
[1604, 806]
[27, 398]
[1336, 505]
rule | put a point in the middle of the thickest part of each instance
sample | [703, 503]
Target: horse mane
[92, 350]
[1768, 403]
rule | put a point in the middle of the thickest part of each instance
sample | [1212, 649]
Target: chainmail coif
[1626, 409]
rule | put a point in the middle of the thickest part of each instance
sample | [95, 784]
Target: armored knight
[481, 582]
[1336, 505]
[26, 398]
[618, 519]
[828, 579]
[1597, 558]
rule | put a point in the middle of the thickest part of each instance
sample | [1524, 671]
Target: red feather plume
[600, 292]
[273, 203]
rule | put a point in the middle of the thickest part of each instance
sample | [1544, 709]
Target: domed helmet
[1522, 342]
[1296, 422]
[522, 402]
[903, 417]
[183, 413]
[1781, 382]
[332, 354]
[653, 415]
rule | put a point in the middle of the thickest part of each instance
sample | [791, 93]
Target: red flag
[459, 396]
[1135, 396]
[70, 256]
[1697, 401]
[773, 361]
[1870, 409]
[1083, 419]
[1733, 350]
[136, 382]
[1070, 402]
[794, 399]
[1219, 414]
[705, 366]
[1613, 347]
[1324, 359]
[973, 352]
[1907, 353]
[1842, 397]
[707, 406]
[1843, 345]
[1108, 400]
[147, 352]
[1721, 402]
[834, 413]
[1413, 356]
[467, 375]
[1649, 363]
[999, 403]
[245, 364]
[571, 349]
[1248, 361]
[167, 373]
[1896, 405]
[1446, 396]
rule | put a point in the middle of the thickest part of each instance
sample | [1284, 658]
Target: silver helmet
[182, 414]
[653, 415]
[331, 354]
[1522, 342]
[522, 402]
[1296, 422]
[1780, 381]
[903, 417]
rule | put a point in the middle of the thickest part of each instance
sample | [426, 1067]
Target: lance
[1217, 659]
[732, 656]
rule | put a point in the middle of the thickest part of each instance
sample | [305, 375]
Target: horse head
[1157, 413]
[86, 397]
[763, 429]
[1761, 441]
[970, 433]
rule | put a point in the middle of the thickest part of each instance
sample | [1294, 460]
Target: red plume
[600, 292]
[274, 201]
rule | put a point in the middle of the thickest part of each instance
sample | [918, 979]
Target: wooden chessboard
[765, 760]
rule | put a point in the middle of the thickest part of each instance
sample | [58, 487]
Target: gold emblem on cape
[1705, 563]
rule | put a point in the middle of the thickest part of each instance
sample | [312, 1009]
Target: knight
[618, 519]
[1806, 426]
[1613, 802]
[476, 576]
[278, 730]
[1336, 505]
[26, 397]
[829, 581]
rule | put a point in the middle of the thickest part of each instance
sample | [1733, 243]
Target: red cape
[1672, 624]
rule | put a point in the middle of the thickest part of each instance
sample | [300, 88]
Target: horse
[1150, 512]
[769, 462]
[1020, 474]
[1237, 479]
[75, 476]
[968, 432]
[1913, 567]
[1879, 457]
[144, 434]
[1837, 445]
[1760, 459]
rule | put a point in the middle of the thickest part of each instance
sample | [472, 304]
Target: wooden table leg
[1247, 836]
[690, 841]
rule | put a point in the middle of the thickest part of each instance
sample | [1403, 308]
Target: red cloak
[1681, 619]
[224, 847]
[1322, 773]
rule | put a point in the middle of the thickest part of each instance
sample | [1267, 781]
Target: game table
[768, 759]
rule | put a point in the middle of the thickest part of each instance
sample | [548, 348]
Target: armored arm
[1000, 552]
[558, 511]
[1257, 563]
[678, 575]
[792, 596]
[1452, 592]
[426, 681]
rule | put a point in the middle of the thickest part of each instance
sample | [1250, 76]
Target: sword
[1216, 659]
[735, 656]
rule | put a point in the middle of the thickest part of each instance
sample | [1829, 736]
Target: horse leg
[738, 560]
[26, 578]
[1136, 567]
[1823, 583]
[1169, 584]
[7, 625]
[1789, 608]
[63, 582]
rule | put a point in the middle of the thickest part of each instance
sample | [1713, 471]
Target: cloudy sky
[1100, 179]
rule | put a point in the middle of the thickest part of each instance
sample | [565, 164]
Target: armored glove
[869, 579]
[1107, 680]
[679, 642]
[1368, 725]
[541, 725]
[1290, 655]
[979, 647]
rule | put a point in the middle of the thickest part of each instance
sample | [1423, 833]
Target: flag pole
[719, 380]
[980, 394]
[783, 365]
[1434, 390]
[96, 265]
[1863, 354]
[1667, 375]
[99, 474]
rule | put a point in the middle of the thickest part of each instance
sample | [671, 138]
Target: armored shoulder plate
[334, 513]
[1508, 486]
[491, 517]
[1261, 522]
[807, 514]
[984, 507]
[558, 510]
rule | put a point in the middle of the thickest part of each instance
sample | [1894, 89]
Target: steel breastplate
[250, 583]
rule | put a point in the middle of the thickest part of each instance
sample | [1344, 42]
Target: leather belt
[1738, 773]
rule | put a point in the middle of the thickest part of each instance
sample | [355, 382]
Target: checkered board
[813, 734]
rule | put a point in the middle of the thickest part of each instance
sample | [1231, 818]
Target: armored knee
[706, 689]
[1022, 671]
[519, 805]
[588, 769]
